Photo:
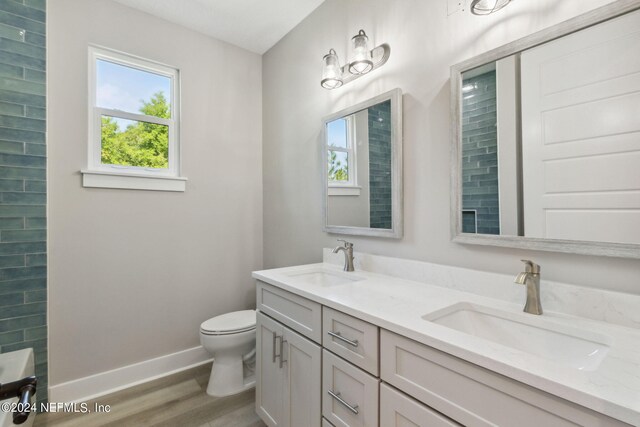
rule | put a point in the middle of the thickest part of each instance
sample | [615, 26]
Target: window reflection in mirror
[341, 153]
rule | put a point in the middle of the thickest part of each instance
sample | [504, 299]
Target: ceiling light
[486, 7]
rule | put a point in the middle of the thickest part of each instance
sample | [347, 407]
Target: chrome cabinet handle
[282, 361]
[337, 397]
[337, 335]
[273, 348]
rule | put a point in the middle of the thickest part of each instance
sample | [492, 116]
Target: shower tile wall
[23, 259]
[380, 165]
[479, 156]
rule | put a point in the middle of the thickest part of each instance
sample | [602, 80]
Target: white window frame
[346, 188]
[102, 175]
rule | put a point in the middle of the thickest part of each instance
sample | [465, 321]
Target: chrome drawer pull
[337, 397]
[337, 335]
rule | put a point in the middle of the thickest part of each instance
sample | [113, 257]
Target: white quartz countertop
[399, 305]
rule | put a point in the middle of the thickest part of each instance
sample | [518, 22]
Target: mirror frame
[596, 16]
[397, 214]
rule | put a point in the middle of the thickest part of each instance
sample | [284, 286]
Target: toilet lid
[236, 321]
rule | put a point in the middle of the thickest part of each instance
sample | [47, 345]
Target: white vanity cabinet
[367, 376]
[288, 376]
[472, 395]
[289, 387]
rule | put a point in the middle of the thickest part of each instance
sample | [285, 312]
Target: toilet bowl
[231, 340]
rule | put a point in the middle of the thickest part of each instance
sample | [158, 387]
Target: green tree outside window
[338, 171]
[140, 144]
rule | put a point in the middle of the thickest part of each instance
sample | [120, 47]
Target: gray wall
[23, 234]
[134, 273]
[425, 42]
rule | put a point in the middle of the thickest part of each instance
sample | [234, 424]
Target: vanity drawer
[352, 339]
[298, 313]
[397, 410]
[326, 423]
[472, 395]
[349, 395]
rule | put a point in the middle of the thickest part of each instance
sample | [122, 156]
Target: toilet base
[228, 377]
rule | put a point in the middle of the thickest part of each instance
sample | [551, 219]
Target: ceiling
[255, 25]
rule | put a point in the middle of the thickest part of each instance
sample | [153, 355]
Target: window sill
[343, 190]
[130, 181]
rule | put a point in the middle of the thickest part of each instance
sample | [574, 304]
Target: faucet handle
[531, 267]
[346, 244]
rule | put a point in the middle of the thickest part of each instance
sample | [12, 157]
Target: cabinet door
[269, 375]
[302, 381]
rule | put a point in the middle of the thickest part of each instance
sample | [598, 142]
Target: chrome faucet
[531, 278]
[348, 254]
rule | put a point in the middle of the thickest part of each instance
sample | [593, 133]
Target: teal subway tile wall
[23, 198]
[380, 165]
[480, 202]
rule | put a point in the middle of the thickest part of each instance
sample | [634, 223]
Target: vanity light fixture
[487, 7]
[331, 71]
[363, 62]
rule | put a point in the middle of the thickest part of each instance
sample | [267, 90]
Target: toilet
[231, 340]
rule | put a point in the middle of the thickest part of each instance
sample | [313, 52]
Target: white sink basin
[580, 349]
[322, 277]
[14, 366]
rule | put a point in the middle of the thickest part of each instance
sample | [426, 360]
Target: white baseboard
[97, 385]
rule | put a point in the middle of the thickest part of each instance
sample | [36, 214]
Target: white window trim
[130, 177]
[343, 190]
[351, 162]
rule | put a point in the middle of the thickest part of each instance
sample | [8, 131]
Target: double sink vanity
[359, 348]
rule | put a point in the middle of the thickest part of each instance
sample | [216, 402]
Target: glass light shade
[331, 71]
[361, 60]
[486, 7]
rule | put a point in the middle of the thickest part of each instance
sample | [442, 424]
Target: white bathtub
[14, 366]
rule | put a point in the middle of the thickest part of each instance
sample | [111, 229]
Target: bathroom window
[133, 123]
[341, 153]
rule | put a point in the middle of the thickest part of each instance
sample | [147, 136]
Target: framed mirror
[362, 168]
[546, 139]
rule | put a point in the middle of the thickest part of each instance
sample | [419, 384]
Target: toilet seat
[217, 333]
[230, 323]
